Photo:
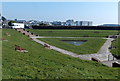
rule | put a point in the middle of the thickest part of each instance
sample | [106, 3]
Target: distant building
[86, 23]
[83, 23]
[110, 25]
[20, 21]
[56, 23]
[70, 23]
[63, 24]
[32, 23]
[18, 25]
[78, 23]
[46, 23]
[90, 23]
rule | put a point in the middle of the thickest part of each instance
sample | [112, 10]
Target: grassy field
[41, 63]
[74, 33]
[91, 46]
[116, 51]
[0, 55]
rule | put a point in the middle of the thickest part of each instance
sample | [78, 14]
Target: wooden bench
[2, 38]
[23, 33]
[46, 46]
[112, 47]
[32, 33]
[24, 29]
[7, 34]
[95, 59]
[37, 35]
[20, 49]
[28, 31]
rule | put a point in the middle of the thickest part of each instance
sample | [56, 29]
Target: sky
[119, 13]
[60, 0]
[98, 12]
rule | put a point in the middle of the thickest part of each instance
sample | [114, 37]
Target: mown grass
[41, 63]
[92, 45]
[116, 51]
[74, 33]
[0, 54]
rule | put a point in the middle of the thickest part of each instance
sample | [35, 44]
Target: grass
[41, 63]
[90, 47]
[116, 51]
[0, 55]
[74, 33]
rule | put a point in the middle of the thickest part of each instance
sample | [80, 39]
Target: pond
[75, 42]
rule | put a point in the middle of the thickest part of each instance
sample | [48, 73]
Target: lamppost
[108, 57]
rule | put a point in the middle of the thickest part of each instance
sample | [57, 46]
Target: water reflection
[75, 42]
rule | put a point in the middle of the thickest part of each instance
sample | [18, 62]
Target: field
[41, 63]
[74, 33]
[90, 47]
[0, 55]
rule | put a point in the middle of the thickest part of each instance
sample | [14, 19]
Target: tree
[42, 24]
[10, 23]
[3, 18]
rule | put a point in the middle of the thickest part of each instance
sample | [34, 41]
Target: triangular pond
[75, 42]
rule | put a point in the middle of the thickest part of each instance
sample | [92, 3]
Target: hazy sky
[98, 12]
[0, 6]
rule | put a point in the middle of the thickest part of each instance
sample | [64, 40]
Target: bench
[112, 47]
[2, 38]
[46, 46]
[20, 49]
[23, 33]
[95, 59]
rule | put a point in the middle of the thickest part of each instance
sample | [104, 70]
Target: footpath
[103, 55]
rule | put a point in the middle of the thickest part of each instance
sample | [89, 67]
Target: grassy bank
[41, 63]
[74, 33]
[91, 46]
[116, 51]
[0, 54]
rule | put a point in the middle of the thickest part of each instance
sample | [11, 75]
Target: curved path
[103, 55]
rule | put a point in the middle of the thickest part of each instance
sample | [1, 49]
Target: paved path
[56, 48]
[101, 57]
[109, 63]
[26, 33]
[102, 54]
[104, 48]
[59, 37]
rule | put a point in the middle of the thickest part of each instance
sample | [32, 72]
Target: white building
[70, 23]
[18, 25]
[0, 24]
[86, 23]
[78, 23]
[56, 23]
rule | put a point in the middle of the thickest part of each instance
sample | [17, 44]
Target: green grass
[74, 33]
[116, 51]
[91, 46]
[0, 55]
[43, 63]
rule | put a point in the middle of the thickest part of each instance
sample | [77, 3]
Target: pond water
[75, 42]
